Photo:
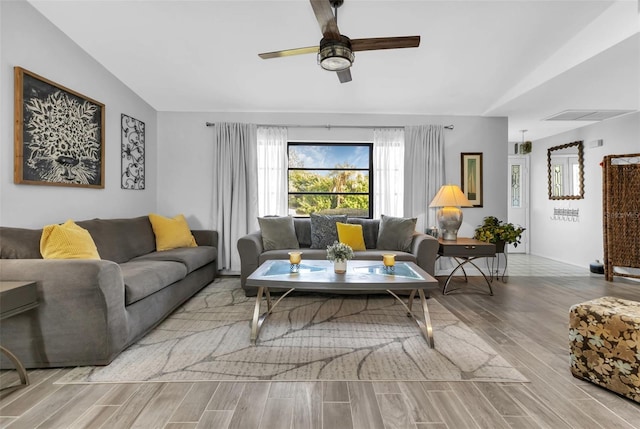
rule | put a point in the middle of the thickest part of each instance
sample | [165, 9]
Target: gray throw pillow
[323, 230]
[278, 233]
[396, 233]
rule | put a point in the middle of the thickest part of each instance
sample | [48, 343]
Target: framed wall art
[132, 153]
[58, 135]
[471, 177]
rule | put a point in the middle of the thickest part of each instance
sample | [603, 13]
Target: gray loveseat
[424, 249]
[91, 310]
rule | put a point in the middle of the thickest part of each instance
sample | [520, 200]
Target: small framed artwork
[58, 135]
[132, 153]
[471, 177]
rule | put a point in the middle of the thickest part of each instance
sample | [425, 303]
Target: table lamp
[450, 198]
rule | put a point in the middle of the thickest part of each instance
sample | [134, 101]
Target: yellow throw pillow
[171, 233]
[67, 241]
[351, 234]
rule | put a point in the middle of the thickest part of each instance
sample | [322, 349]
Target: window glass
[330, 178]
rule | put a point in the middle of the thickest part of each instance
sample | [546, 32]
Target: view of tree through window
[330, 178]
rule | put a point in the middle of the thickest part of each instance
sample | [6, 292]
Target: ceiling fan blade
[375, 43]
[289, 52]
[326, 19]
[344, 75]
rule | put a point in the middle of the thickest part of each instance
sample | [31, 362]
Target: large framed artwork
[132, 153]
[471, 177]
[58, 134]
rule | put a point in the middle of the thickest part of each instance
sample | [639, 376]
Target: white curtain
[235, 188]
[388, 172]
[272, 171]
[423, 171]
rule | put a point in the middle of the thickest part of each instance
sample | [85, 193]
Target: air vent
[586, 115]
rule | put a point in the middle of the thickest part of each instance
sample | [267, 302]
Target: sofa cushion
[323, 230]
[396, 233]
[20, 243]
[317, 254]
[351, 235]
[307, 255]
[376, 255]
[171, 233]
[191, 257]
[370, 230]
[278, 233]
[120, 240]
[67, 241]
[302, 226]
[142, 278]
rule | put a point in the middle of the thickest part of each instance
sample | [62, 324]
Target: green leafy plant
[493, 230]
[339, 252]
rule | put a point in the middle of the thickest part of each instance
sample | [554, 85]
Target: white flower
[339, 252]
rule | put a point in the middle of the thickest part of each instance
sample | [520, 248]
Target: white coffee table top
[361, 275]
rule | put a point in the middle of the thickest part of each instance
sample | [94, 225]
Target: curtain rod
[328, 126]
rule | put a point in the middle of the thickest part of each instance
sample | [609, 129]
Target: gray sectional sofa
[91, 310]
[424, 248]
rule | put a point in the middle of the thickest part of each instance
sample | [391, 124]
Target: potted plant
[495, 231]
[339, 253]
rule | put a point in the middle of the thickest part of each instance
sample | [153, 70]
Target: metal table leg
[424, 325]
[461, 262]
[259, 319]
[496, 260]
[22, 373]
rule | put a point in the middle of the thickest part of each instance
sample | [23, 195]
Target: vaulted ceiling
[524, 59]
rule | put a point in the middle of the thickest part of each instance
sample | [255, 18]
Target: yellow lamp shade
[450, 196]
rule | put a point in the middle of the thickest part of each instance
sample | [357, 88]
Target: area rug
[308, 337]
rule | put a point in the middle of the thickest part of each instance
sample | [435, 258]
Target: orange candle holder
[294, 259]
[389, 261]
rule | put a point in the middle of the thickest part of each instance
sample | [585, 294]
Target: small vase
[340, 267]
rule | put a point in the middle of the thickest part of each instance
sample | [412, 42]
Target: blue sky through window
[329, 156]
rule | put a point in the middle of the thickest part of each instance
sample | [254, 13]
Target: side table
[465, 251]
[16, 298]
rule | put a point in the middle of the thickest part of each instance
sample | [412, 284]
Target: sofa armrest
[205, 237]
[425, 248]
[81, 314]
[250, 248]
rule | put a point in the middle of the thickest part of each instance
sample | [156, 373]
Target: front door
[518, 203]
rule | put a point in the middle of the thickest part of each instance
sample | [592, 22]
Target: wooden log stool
[604, 336]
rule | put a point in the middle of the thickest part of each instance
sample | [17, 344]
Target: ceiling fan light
[335, 55]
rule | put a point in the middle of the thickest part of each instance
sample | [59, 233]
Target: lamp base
[449, 221]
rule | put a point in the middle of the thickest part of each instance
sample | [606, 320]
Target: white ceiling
[523, 59]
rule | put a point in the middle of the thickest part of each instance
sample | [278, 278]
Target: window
[330, 178]
[515, 186]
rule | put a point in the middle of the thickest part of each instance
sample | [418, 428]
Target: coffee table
[361, 275]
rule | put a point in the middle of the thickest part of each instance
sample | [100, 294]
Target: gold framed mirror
[565, 171]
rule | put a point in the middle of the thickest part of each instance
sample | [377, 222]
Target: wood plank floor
[526, 322]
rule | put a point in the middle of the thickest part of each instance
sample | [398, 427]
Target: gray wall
[184, 140]
[577, 243]
[32, 42]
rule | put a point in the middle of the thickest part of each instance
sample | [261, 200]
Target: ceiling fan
[335, 52]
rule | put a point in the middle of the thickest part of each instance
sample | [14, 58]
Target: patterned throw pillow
[323, 230]
[396, 233]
